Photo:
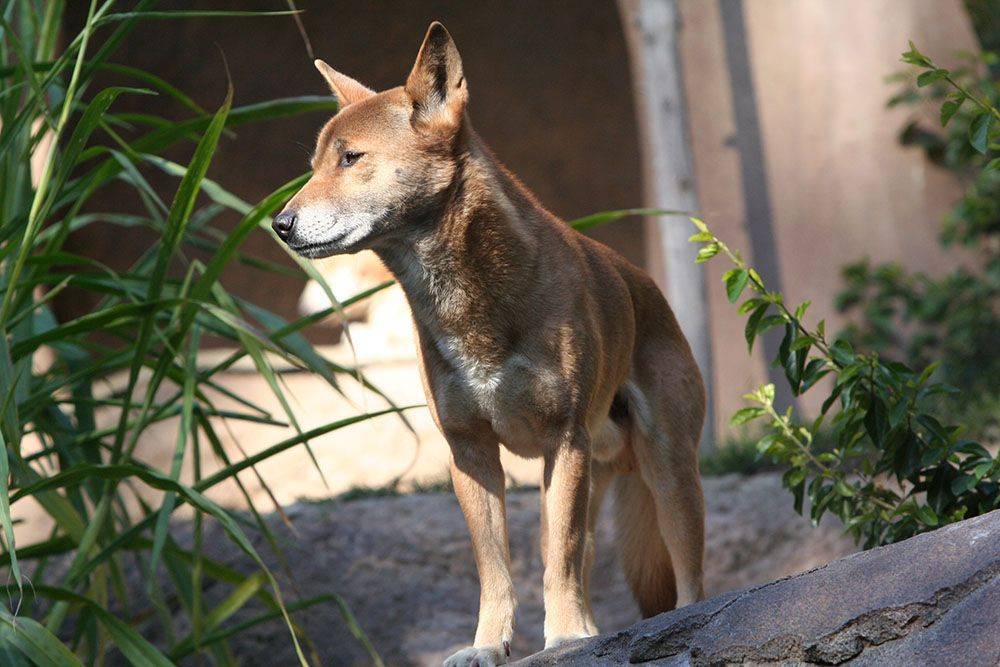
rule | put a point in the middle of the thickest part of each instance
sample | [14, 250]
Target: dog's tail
[659, 509]
[641, 551]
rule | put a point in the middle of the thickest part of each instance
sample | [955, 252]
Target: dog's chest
[514, 394]
[480, 377]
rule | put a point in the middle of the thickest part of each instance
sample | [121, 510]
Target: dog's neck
[464, 266]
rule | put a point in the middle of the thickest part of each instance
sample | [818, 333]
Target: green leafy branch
[895, 470]
[983, 122]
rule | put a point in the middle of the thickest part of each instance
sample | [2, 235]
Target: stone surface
[931, 600]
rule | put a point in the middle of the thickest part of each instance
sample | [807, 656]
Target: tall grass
[70, 595]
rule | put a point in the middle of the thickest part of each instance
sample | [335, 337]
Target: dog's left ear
[347, 90]
[437, 85]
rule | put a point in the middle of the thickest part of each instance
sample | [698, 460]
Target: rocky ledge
[930, 600]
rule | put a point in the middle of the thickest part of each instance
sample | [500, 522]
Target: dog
[532, 337]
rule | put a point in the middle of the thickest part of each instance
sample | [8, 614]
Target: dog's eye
[349, 158]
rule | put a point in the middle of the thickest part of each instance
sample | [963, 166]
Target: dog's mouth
[348, 240]
[325, 248]
[317, 250]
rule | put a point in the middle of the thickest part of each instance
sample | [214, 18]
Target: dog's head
[385, 160]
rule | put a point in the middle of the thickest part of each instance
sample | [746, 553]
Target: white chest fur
[480, 378]
[506, 394]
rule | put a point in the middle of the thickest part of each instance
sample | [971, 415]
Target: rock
[930, 600]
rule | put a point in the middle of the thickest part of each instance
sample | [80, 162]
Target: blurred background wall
[841, 186]
[551, 93]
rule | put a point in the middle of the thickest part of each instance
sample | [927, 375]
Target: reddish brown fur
[527, 331]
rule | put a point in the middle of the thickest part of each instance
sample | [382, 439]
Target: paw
[482, 656]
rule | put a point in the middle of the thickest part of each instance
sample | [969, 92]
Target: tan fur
[531, 335]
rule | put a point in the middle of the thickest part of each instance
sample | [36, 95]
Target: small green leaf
[598, 219]
[934, 75]
[831, 399]
[927, 372]
[801, 310]
[914, 57]
[963, 484]
[801, 343]
[743, 415]
[814, 371]
[766, 443]
[793, 477]
[843, 488]
[736, 281]
[750, 332]
[750, 304]
[926, 514]
[979, 131]
[950, 108]
[770, 322]
[707, 253]
[842, 352]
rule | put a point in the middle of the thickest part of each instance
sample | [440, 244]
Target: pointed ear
[347, 90]
[437, 85]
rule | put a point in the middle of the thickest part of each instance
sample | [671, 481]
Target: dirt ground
[405, 567]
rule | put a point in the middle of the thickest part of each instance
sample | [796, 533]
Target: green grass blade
[177, 219]
[237, 598]
[189, 14]
[133, 646]
[188, 400]
[188, 646]
[597, 219]
[34, 220]
[158, 481]
[220, 476]
[35, 642]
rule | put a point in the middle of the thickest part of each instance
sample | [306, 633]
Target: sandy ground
[405, 567]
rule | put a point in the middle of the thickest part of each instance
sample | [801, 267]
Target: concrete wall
[841, 186]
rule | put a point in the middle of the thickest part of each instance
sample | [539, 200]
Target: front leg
[567, 487]
[478, 478]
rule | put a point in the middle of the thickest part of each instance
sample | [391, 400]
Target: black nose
[283, 224]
